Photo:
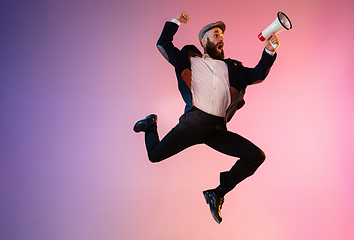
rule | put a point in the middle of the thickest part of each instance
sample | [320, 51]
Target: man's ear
[204, 42]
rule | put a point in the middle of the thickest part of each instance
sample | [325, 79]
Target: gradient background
[76, 75]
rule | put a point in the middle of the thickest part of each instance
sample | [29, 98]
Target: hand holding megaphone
[282, 22]
[272, 42]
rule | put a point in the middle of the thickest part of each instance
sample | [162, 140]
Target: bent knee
[154, 158]
[263, 155]
[259, 157]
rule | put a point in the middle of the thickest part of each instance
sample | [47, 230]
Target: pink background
[76, 75]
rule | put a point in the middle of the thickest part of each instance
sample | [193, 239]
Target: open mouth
[220, 46]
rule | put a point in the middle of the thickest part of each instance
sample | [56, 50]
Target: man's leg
[250, 158]
[179, 138]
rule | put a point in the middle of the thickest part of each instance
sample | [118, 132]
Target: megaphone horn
[282, 22]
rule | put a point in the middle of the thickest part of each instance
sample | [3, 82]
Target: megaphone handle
[274, 45]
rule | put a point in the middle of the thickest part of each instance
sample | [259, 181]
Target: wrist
[174, 20]
[270, 52]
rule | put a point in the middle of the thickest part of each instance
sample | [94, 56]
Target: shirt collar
[206, 56]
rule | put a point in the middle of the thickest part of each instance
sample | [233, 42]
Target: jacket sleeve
[260, 71]
[165, 45]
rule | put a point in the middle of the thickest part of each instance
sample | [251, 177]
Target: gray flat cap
[218, 24]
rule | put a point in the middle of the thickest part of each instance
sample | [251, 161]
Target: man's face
[215, 43]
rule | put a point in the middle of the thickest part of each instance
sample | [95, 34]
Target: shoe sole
[138, 128]
[208, 202]
[206, 197]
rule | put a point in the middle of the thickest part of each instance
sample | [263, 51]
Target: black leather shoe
[215, 204]
[144, 124]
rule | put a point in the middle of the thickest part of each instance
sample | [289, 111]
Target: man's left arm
[261, 70]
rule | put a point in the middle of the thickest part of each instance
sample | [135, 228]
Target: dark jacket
[239, 76]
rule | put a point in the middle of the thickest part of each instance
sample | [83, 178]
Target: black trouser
[196, 127]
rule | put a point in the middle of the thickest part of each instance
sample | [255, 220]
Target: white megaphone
[282, 22]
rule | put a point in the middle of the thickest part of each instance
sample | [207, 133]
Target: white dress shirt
[210, 85]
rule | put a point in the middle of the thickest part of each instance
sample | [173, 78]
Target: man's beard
[213, 52]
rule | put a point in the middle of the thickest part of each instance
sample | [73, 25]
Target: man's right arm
[164, 44]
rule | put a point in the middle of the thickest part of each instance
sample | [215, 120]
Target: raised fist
[183, 17]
